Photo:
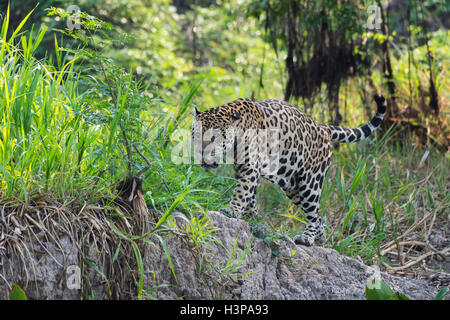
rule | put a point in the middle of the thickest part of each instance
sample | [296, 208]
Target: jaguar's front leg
[244, 196]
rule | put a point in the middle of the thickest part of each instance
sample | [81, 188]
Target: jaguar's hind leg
[314, 232]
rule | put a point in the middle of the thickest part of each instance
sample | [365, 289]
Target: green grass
[68, 133]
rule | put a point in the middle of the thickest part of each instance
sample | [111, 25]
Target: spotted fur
[304, 153]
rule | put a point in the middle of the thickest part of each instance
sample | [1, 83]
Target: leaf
[4, 32]
[400, 296]
[276, 253]
[166, 215]
[258, 233]
[441, 294]
[351, 212]
[378, 290]
[116, 253]
[293, 217]
[358, 176]
[96, 269]
[40, 37]
[140, 266]
[17, 29]
[17, 293]
[169, 259]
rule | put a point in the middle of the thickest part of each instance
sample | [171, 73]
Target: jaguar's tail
[339, 134]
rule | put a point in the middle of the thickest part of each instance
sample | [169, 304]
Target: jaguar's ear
[195, 112]
[236, 116]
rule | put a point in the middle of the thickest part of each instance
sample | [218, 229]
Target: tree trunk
[392, 110]
[433, 93]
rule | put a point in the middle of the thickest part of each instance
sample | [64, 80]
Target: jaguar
[274, 140]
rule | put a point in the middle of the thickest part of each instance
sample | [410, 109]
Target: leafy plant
[441, 294]
[17, 293]
[379, 290]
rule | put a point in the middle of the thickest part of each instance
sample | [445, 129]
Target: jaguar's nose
[209, 165]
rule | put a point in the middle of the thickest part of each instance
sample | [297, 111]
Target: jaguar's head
[213, 134]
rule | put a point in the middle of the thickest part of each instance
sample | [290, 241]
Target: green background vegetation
[83, 109]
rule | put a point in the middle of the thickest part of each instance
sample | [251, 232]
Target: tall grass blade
[140, 266]
[167, 253]
[168, 212]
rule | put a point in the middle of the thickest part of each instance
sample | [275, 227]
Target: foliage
[379, 290]
[17, 293]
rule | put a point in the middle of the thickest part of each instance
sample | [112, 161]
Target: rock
[42, 275]
[233, 265]
[296, 272]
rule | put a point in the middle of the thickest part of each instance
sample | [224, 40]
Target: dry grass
[92, 228]
[421, 250]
